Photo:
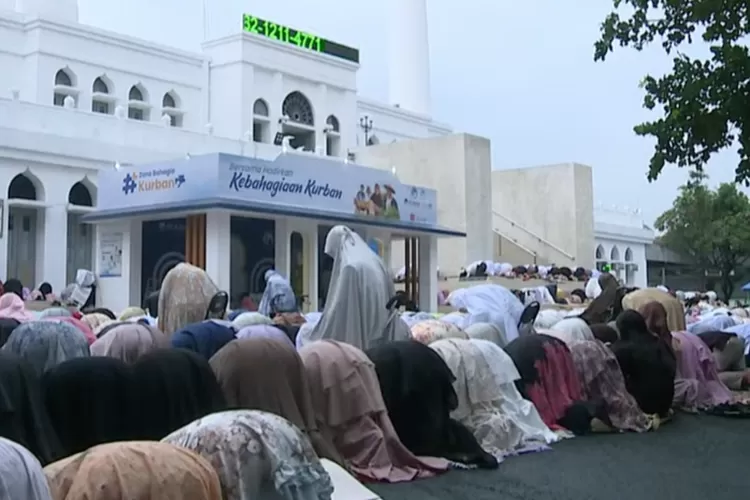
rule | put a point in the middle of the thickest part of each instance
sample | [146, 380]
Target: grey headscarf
[487, 331]
[55, 312]
[21, 474]
[278, 295]
[46, 344]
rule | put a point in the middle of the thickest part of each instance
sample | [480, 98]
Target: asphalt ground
[691, 458]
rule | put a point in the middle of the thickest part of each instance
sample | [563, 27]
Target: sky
[519, 73]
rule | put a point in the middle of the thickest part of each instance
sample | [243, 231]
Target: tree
[705, 101]
[710, 228]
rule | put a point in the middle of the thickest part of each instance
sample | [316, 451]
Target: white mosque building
[76, 100]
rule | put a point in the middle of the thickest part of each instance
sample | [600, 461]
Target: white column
[275, 102]
[409, 56]
[52, 225]
[321, 115]
[428, 282]
[311, 266]
[281, 246]
[218, 248]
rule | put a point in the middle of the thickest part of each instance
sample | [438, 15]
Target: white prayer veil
[571, 329]
[361, 286]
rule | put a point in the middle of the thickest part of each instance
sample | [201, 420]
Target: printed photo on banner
[377, 201]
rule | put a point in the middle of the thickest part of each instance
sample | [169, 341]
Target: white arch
[35, 181]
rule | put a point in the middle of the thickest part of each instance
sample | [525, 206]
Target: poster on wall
[110, 255]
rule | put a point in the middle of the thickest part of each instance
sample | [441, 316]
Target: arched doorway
[252, 253]
[22, 228]
[80, 235]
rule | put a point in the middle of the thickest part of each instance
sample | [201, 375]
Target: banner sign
[292, 180]
[323, 184]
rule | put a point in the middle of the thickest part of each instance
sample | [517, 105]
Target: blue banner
[323, 184]
[292, 180]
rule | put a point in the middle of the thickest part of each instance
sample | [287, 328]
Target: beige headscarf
[129, 341]
[96, 320]
[184, 297]
[675, 313]
[131, 312]
[134, 470]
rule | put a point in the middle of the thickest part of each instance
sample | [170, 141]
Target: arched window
[138, 107]
[373, 140]
[22, 188]
[298, 108]
[614, 255]
[261, 123]
[135, 94]
[100, 86]
[168, 101]
[600, 253]
[170, 104]
[333, 122]
[63, 79]
[102, 100]
[260, 108]
[80, 195]
[65, 83]
[628, 255]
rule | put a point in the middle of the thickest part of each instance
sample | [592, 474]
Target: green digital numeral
[272, 30]
[250, 24]
[296, 38]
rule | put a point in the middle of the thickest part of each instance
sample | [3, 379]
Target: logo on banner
[152, 180]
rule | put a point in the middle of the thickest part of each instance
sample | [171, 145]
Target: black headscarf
[89, 401]
[103, 310]
[604, 333]
[602, 308]
[417, 388]
[647, 363]
[7, 325]
[716, 339]
[45, 289]
[23, 415]
[15, 286]
[175, 387]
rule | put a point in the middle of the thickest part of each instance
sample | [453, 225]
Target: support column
[218, 248]
[52, 225]
[311, 266]
[195, 240]
[428, 282]
[281, 245]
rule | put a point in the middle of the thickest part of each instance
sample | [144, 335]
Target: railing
[532, 239]
[520, 245]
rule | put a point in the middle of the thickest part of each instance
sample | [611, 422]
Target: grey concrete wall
[549, 209]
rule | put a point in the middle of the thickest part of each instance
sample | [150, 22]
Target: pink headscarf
[12, 307]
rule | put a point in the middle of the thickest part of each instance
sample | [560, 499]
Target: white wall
[458, 167]
[637, 255]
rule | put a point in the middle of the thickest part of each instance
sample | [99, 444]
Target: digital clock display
[285, 34]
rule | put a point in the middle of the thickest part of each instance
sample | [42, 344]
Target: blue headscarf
[204, 338]
[278, 295]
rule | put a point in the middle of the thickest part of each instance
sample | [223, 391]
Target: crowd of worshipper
[485, 268]
[181, 398]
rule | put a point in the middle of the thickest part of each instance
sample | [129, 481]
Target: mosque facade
[76, 100]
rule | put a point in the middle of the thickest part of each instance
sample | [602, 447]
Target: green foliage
[705, 101]
[710, 227]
